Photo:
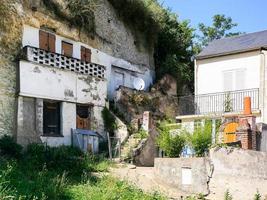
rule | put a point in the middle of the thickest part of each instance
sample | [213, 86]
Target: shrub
[172, 145]
[8, 147]
[201, 139]
[257, 196]
[109, 121]
[227, 195]
[142, 134]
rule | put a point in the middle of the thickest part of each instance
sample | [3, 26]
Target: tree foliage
[221, 27]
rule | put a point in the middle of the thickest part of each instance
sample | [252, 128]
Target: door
[83, 118]
[119, 79]
[230, 133]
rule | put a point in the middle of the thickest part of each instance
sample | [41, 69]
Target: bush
[201, 139]
[109, 121]
[172, 145]
[62, 158]
[8, 147]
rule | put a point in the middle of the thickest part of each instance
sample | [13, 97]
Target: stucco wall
[52, 83]
[250, 62]
[170, 171]
[242, 172]
[129, 69]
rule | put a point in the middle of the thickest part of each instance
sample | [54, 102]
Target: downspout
[262, 76]
[195, 76]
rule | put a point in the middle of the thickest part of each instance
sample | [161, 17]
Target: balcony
[60, 61]
[218, 103]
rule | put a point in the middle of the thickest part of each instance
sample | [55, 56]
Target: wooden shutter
[83, 56]
[67, 49]
[51, 43]
[43, 40]
[88, 55]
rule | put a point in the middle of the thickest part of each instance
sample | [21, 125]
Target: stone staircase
[128, 147]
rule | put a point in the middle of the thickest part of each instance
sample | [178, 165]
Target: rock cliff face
[110, 35]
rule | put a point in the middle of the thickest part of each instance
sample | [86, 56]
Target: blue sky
[251, 15]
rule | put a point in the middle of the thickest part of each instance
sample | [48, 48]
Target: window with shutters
[51, 118]
[67, 49]
[85, 54]
[47, 41]
[234, 80]
[83, 119]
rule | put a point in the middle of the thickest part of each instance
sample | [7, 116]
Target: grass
[61, 173]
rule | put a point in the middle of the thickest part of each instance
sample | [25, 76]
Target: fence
[231, 101]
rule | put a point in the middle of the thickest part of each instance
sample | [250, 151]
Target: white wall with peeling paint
[31, 38]
[46, 82]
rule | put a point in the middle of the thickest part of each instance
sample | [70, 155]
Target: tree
[221, 27]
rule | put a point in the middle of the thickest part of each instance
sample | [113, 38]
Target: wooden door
[230, 133]
[83, 118]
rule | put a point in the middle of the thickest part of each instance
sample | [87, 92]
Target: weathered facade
[58, 76]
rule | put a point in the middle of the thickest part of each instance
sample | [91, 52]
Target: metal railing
[222, 102]
[60, 61]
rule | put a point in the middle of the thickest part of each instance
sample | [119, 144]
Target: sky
[251, 15]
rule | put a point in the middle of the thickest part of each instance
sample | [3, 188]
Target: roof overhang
[229, 53]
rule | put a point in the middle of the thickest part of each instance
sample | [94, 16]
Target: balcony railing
[60, 61]
[218, 102]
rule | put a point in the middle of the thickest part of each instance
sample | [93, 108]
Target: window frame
[63, 51]
[46, 123]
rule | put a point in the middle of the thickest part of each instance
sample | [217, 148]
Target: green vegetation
[141, 133]
[172, 145]
[9, 148]
[109, 121]
[80, 15]
[220, 28]
[201, 139]
[227, 195]
[61, 173]
[257, 196]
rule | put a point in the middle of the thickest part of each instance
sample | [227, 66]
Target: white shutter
[228, 81]
[240, 79]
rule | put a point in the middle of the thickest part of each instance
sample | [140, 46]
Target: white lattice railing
[60, 61]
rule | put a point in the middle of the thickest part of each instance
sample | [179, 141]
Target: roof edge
[229, 53]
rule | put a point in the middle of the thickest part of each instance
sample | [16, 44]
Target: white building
[226, 71]
[63, 85]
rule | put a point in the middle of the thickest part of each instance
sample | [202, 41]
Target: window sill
[51, 135]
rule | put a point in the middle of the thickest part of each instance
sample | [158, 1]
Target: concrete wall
[187, 175]
[242, 172]
[130, 70]
[46, 82]
[249, 62]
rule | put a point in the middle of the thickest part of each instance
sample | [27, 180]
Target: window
[67, 49]
[47, 41]
[51, 118]
[119, 79]
[83, 119]
[234, 79]
[85, 54]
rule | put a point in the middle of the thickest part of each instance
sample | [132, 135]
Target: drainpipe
[195, 76]
[262, 89]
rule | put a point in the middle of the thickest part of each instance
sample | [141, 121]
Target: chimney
[247, 106]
